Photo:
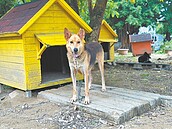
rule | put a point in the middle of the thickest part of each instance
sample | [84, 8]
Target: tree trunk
[96, 17]
[124, 35]
[167, 36]
[74, 5]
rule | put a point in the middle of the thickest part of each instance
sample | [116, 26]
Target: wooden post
[28, 93]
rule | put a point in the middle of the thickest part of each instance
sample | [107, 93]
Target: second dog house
[107, 38]
[141, 43]
[32, 44]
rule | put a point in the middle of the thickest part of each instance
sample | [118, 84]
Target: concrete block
[116, 105]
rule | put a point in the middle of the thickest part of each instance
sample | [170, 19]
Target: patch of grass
[144, 75]
[125, 58]
[166, 46]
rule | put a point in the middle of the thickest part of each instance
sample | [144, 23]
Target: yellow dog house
[107, 38]
[32, 44]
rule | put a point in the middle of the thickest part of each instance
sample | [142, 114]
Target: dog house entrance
[106, 48]
[54, 64]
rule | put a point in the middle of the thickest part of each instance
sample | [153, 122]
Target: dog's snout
[75, 50]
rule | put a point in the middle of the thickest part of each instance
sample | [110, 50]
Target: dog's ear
[81, 33]
[67, 34]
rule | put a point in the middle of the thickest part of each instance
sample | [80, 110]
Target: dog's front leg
[73, 76]
[87, 100]
[89, 80]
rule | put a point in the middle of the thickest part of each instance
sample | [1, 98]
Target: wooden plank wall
[53, 20]
[12, 62]
[106, 35]
[111, 52]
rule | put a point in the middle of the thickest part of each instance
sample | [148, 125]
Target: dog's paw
[73, 99]
[87, 100]
[89, 87]
[103, 89]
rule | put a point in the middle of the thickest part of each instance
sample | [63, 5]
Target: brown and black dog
[81, 58]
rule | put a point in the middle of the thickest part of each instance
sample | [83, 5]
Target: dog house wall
[108, 37]
[12, 62]
[19, 48]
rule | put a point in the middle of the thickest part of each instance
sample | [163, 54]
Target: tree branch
[90, 7]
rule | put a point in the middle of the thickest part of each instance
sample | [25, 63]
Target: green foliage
[142, 13]
[163, 27]
[165, 24]
[131, 16]
[166, 46]
[17, 2]
[5, 5]
[111, 8]
[83, 10]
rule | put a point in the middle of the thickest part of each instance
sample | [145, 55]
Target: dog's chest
[77, 64]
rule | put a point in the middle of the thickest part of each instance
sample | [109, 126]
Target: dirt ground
[157, 80]
[19, 112]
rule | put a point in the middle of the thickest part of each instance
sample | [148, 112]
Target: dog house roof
[21, 17]
[18, 16]
[109, 28]
[140, 38]
[107, 34]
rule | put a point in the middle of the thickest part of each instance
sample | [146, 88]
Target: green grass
[125, 58]
[144, 75]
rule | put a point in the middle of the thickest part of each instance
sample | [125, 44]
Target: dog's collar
[78, 57]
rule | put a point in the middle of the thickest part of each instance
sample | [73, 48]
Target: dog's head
[75, 44]
[146, 55]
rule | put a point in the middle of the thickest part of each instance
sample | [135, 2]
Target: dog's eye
[71, 41]
[78, 42]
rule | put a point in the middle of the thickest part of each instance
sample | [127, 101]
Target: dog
[81, 58]
[144, 58]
